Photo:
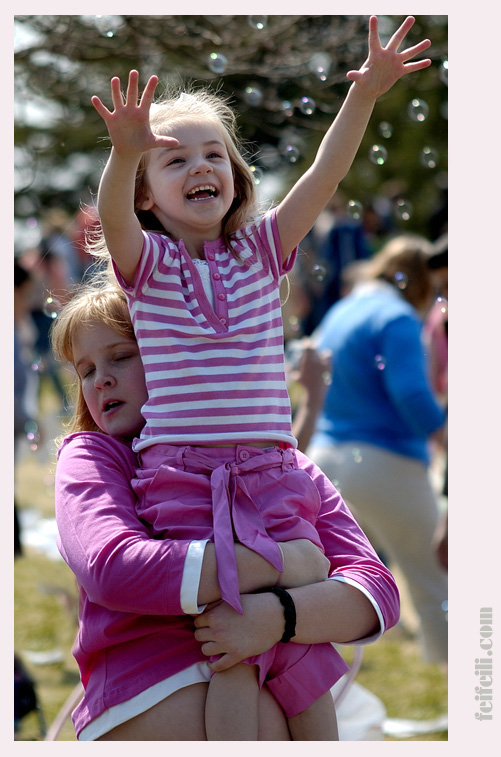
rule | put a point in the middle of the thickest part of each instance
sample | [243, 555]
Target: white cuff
[190, 582]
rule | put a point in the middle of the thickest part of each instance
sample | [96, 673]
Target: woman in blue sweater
[372, 437]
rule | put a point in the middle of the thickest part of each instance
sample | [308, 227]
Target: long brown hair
[403, 262]
[100, 301]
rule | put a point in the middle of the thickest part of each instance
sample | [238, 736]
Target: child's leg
[273, 724]
[317, 723]
[231, 709]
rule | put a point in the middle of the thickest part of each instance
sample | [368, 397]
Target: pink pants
[256, 497]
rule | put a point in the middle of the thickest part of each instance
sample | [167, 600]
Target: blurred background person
[337, 240]
[25, 378]
[437, 321]
[372, 437]
[436, 338]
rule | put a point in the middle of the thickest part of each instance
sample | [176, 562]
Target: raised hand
[385, 65]
[129, 123]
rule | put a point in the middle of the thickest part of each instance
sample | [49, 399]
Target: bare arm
[314, 376]
[329, 611]
[303, 563]
[129, 128]
[299, 210]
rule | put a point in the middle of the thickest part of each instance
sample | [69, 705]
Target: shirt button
[244, 454]
[223, 321]
[221, 296]
[217, 276]
[210, 256]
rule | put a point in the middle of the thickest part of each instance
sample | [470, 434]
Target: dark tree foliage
[285, 75]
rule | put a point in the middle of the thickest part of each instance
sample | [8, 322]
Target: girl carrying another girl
[202, 274]
[144, 672]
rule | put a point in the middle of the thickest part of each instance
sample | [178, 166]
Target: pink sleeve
[351, 555]
[112, 554]
[270, 240]
[153, 249]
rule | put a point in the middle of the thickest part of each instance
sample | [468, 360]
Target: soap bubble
[403, 209]
[378, 154]
[288, 108]
[429, 157]
[443, 72]
[385, 129]
[257, 22]
[291, 153]
[307, 106]
[418, 109]
[50, 308]
[253, 96]
[355, 209]
[217, 63]
[380, 362]
[357, 455]
[443, 305]
[401, 280]
[257, 174]
[319, 272]
[32, 434]
[269, 156]
[320, 64]
[108, 25]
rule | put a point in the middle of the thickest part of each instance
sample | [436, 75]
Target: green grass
[45, 617]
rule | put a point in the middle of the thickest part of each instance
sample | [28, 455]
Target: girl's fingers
[149, 91]
[399, 35]
[133, 88]
[374, 41]
[210, 648]
[413, 51]
[116, 92]
[417, 66]
[225, 662]
[354, 75]
[101, 109]
[162, 141]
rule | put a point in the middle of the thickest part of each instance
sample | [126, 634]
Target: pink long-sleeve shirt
[133, 632]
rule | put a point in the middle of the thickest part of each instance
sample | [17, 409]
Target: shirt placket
[220, 296]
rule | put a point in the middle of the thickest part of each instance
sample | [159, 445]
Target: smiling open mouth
[202, 193]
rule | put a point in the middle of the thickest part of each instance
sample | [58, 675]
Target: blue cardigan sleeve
[406, 376]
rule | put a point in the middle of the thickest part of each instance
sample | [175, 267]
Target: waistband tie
[244, 521]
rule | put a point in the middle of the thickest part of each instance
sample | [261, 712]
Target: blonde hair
[403, 262]
[179, 105]
[100, 301]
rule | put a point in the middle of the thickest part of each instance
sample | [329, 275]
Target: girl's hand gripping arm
[131, 135]
[299, 210]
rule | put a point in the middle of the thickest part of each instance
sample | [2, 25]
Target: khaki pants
[393, 500]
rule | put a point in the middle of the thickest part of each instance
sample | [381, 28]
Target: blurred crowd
[44, 276]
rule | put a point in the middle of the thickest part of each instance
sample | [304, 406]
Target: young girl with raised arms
[202, 275]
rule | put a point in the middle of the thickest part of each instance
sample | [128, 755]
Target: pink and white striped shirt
[215, 373]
